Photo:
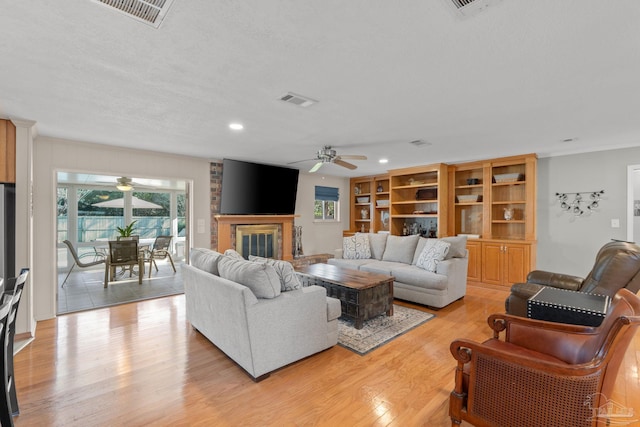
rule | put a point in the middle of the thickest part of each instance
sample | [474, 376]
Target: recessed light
[236, 126]
[383, 161]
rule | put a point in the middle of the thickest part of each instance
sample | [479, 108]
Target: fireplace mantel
[225, 222]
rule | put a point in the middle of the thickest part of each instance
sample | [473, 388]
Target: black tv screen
[257, 189]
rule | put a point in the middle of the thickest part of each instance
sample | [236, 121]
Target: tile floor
[84, 289]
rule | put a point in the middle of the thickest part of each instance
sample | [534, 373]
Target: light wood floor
[142, 364]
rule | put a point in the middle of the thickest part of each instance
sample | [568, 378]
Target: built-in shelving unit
[418, 200]
[494, 203]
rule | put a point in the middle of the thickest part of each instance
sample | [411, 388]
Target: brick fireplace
[227, 230]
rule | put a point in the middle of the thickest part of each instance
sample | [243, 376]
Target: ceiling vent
[299, 100]
[419, 143]
[468, 8]
[151, 12]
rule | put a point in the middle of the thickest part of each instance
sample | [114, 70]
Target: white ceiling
[519, 77]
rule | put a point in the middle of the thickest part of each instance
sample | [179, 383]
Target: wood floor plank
[142, 364]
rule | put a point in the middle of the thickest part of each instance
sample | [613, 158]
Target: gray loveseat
[257, 324]
[399, 256]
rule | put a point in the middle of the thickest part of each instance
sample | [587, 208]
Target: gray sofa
[399, 256]
[257, 324]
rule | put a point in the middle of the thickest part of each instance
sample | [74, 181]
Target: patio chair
[123, 253]
[98, 258]
[159, 250]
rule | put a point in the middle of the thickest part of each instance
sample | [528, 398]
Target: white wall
[318, 237]
[52, 155]
[568, 244]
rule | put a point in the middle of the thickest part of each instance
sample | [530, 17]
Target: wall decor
[588, 200]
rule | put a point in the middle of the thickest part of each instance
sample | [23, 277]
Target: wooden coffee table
[362, 295]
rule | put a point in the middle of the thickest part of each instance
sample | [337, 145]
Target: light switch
[615, 223]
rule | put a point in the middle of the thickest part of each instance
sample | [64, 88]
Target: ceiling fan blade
[316, 167]
[300, 161]
[352, 157]
[344, 164]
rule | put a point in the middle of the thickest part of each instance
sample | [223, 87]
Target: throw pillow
[288, 278]
[434, 251]
[458, 247]
[377, 242]
[205, 260]
[356, 247]
[233, 254]
[400, 248]
[262, 279]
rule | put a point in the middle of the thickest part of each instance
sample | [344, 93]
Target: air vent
[299, 100]
[471, 7]
[419, 142]
[151, 12]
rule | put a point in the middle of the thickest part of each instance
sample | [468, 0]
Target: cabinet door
[474, 271]
[516, 266]
[492, 260]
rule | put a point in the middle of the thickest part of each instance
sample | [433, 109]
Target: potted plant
[128, 230]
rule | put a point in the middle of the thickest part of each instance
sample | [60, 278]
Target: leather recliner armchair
[617, 266]
[538, 373]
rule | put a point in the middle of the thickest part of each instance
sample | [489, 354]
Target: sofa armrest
[556, 280]
[287, 328]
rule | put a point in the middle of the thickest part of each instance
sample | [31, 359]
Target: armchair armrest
[556, 280]
[560, 340]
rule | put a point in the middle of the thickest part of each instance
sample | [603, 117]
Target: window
[327, 204]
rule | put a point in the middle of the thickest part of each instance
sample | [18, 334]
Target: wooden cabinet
[493, 201]
[506, 262]
[369, 204]
[474, 272]
[418, 198]
[7, 151]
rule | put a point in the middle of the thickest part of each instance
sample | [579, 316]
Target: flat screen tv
[257, 189]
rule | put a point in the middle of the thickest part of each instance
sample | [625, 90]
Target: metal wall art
[589, 200]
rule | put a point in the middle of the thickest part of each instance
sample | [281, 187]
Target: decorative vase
[508, 214]
[364, 213]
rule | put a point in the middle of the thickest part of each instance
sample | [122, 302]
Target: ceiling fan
[124, 184]
[328, 155]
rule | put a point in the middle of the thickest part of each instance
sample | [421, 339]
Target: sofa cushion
[414, 276]
[377, 243]
[262, 279]
[233, 254]
[288, 278]
[205, 259]
[433, 252]
[458, 247]
[381, 267]
[400, 248]
[353, 264]
[356, 247]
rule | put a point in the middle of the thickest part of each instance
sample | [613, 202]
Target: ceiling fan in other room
[329, 155]
[124, 184]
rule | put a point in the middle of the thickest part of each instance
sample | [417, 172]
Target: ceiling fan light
[124, 187]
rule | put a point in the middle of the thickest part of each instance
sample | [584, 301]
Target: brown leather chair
[617, 266]
[542, 373]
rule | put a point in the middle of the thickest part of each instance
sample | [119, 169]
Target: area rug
[380, 330]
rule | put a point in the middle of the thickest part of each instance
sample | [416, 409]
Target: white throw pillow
[288, 279]
[233, 254]
[434, 251]
[262, 279]
[356, 247]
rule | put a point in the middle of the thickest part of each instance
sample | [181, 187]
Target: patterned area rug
[379, 330]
